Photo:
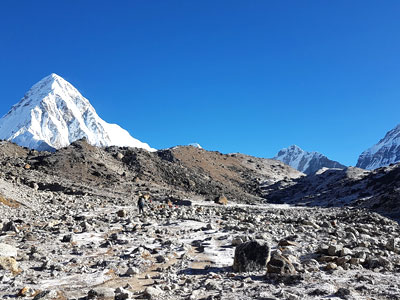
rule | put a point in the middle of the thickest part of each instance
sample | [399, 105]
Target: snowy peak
[53, 114]
[384, 153]
[306, 162]
[196, 145]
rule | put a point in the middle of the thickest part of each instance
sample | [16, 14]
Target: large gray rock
[251, 256]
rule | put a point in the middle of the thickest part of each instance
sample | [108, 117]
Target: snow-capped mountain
[384, 153]
[306, 162]
[53, 114]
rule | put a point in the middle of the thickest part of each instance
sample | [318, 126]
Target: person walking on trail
[141, 204]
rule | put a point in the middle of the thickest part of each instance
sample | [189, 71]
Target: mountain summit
[384, 153]
[306, 162]
[53, 114]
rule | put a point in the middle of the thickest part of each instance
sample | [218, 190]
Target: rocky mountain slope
[306, 162]
[70, 228]
[53, 114]
[377, 190]
[384, 153]
[186, 170]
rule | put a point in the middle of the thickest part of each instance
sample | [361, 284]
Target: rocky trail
[186, 252]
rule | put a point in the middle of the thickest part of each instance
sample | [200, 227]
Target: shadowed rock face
[251, 256]
[378, 190]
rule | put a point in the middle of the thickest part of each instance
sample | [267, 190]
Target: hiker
[141, 204]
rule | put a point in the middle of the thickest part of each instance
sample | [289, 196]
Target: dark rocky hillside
[378, 190]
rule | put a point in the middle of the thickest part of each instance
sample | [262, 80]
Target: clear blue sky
[234, 76]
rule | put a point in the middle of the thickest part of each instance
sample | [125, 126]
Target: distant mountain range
[53, 114]
[306, 162]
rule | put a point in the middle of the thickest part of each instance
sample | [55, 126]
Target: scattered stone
[345, 252]
[222, 200]
[122, 294]
[27, 292]
[35, 186]
[391, 244]
[122, 213]
[335, 250]
[10, 226]
[48, 295]
[10, 264]
[236, 241]
[132, 271]
[8, 250]
[161, 259]
[331, 266]
[285, 243]
[68, 238]
[101, 293]
[152, 293]
[343, 293]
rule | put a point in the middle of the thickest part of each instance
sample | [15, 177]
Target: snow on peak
[384, 153]
[306, 162]
[53, 114]
[196, 145]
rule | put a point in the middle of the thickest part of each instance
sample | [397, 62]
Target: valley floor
[79, 247]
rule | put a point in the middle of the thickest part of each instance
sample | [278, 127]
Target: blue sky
[234, 76]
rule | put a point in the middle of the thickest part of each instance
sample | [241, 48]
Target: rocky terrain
[70, 228]
[377, 190]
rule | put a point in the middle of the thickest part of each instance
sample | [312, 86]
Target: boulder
[251, 256]
[101, 293]
[152, 293]
[280, 265]
[10, 226]
[122, 213]
[123, 294]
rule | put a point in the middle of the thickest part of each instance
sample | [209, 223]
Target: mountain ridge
[306, 162]
[384, 153]
[53, 114]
